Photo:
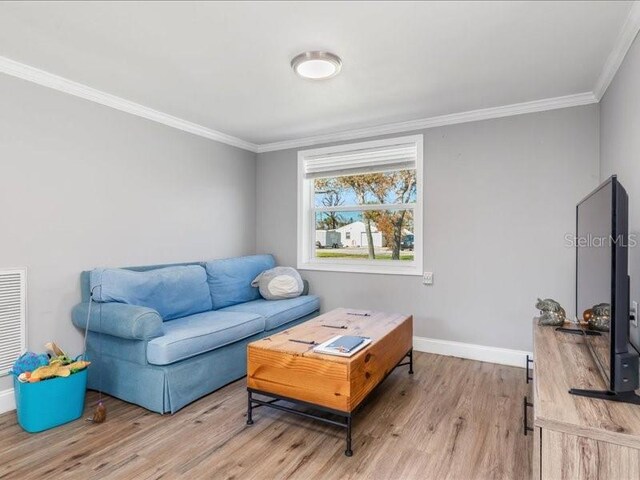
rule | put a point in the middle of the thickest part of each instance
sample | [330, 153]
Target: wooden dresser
[577, 437]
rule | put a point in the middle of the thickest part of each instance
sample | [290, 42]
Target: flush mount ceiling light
[316, 65]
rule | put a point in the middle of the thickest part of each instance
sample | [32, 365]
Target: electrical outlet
[634, 314]
[427, 278]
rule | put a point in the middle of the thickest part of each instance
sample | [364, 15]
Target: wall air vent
[13, 338]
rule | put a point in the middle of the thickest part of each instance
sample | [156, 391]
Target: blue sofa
[163, 336]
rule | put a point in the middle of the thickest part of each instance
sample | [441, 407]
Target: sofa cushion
[279, 312]
[172, 291]
[190, 336]
[230, 279]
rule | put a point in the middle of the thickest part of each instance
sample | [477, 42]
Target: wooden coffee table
[281, 368]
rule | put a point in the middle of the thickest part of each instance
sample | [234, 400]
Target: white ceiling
[225, 65]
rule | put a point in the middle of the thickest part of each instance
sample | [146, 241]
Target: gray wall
[620, 148]
[82, 185]
[500, 196]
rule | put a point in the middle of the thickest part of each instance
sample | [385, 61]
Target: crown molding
[439, 121]
[46, 79]
[624, 41]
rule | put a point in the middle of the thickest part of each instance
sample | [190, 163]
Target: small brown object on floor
[587, 314]
[100, 415]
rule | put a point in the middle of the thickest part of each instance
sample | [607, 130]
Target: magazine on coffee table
[343, 345]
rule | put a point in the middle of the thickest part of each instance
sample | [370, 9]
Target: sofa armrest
[305, 287]
[119, 319]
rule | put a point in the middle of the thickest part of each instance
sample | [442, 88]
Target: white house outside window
[360, 207]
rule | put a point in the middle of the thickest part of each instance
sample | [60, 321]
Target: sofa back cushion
[230, 279]
[172, 291]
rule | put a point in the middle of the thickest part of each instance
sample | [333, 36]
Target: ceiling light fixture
[316, 65]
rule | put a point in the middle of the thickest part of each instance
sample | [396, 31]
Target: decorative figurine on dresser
[551, 313]
[598, 317]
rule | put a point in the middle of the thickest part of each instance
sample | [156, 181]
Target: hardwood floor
[452, 419]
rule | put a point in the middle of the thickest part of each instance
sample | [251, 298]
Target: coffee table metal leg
[249, 408]
[348, 452]
[411, 362]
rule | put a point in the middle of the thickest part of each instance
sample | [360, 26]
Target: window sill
[383, 269]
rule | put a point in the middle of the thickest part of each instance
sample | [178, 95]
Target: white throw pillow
[279, 283]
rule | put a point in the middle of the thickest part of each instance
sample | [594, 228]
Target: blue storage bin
[48, 403]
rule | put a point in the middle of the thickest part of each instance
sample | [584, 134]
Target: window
[360, 207]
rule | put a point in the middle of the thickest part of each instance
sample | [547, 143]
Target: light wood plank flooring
[452, 419]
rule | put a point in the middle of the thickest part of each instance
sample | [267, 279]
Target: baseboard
[502, 356]
[7, 401]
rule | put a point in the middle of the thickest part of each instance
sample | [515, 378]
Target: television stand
[622, 397]
[577, 331]
[576, 435]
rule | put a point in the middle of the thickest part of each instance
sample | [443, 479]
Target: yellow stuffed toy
[60, 365]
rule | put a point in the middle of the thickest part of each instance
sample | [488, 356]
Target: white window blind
[400, 156]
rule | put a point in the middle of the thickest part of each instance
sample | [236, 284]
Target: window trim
[306, 228]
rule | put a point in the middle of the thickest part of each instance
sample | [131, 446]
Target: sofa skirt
[167, 388]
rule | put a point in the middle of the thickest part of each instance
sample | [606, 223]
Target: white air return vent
[13, 338]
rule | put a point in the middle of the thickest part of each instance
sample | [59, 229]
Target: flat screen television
[602, 285]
